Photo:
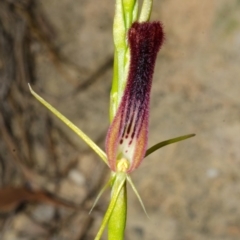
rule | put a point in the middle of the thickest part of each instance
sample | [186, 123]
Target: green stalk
[117, 221]
[126, 12]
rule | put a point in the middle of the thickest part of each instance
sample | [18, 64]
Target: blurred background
[49, 177]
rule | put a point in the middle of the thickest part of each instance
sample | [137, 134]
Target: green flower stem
[115, 215]
[117, 221]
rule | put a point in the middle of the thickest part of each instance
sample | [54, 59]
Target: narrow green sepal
[167, 142]
[146, 11]
[81, 134]
[109, 183]
[126, 12]
[135, 12]
[137, 194]
[114, 90]
[119, 28]
[128, 6]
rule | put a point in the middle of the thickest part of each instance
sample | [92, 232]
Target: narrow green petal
[146, 11]
[82, 135]
[167, 142]
[135, 12]
[137, 194]
[120, 180]
[110, 181]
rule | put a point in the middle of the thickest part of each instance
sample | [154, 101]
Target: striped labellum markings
[127, 136]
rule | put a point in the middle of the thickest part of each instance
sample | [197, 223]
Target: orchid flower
[128, 134]
[137, 42]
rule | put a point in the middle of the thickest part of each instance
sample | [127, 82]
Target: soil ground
[64, 48]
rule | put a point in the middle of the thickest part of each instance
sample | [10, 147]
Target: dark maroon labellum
[145, 40]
